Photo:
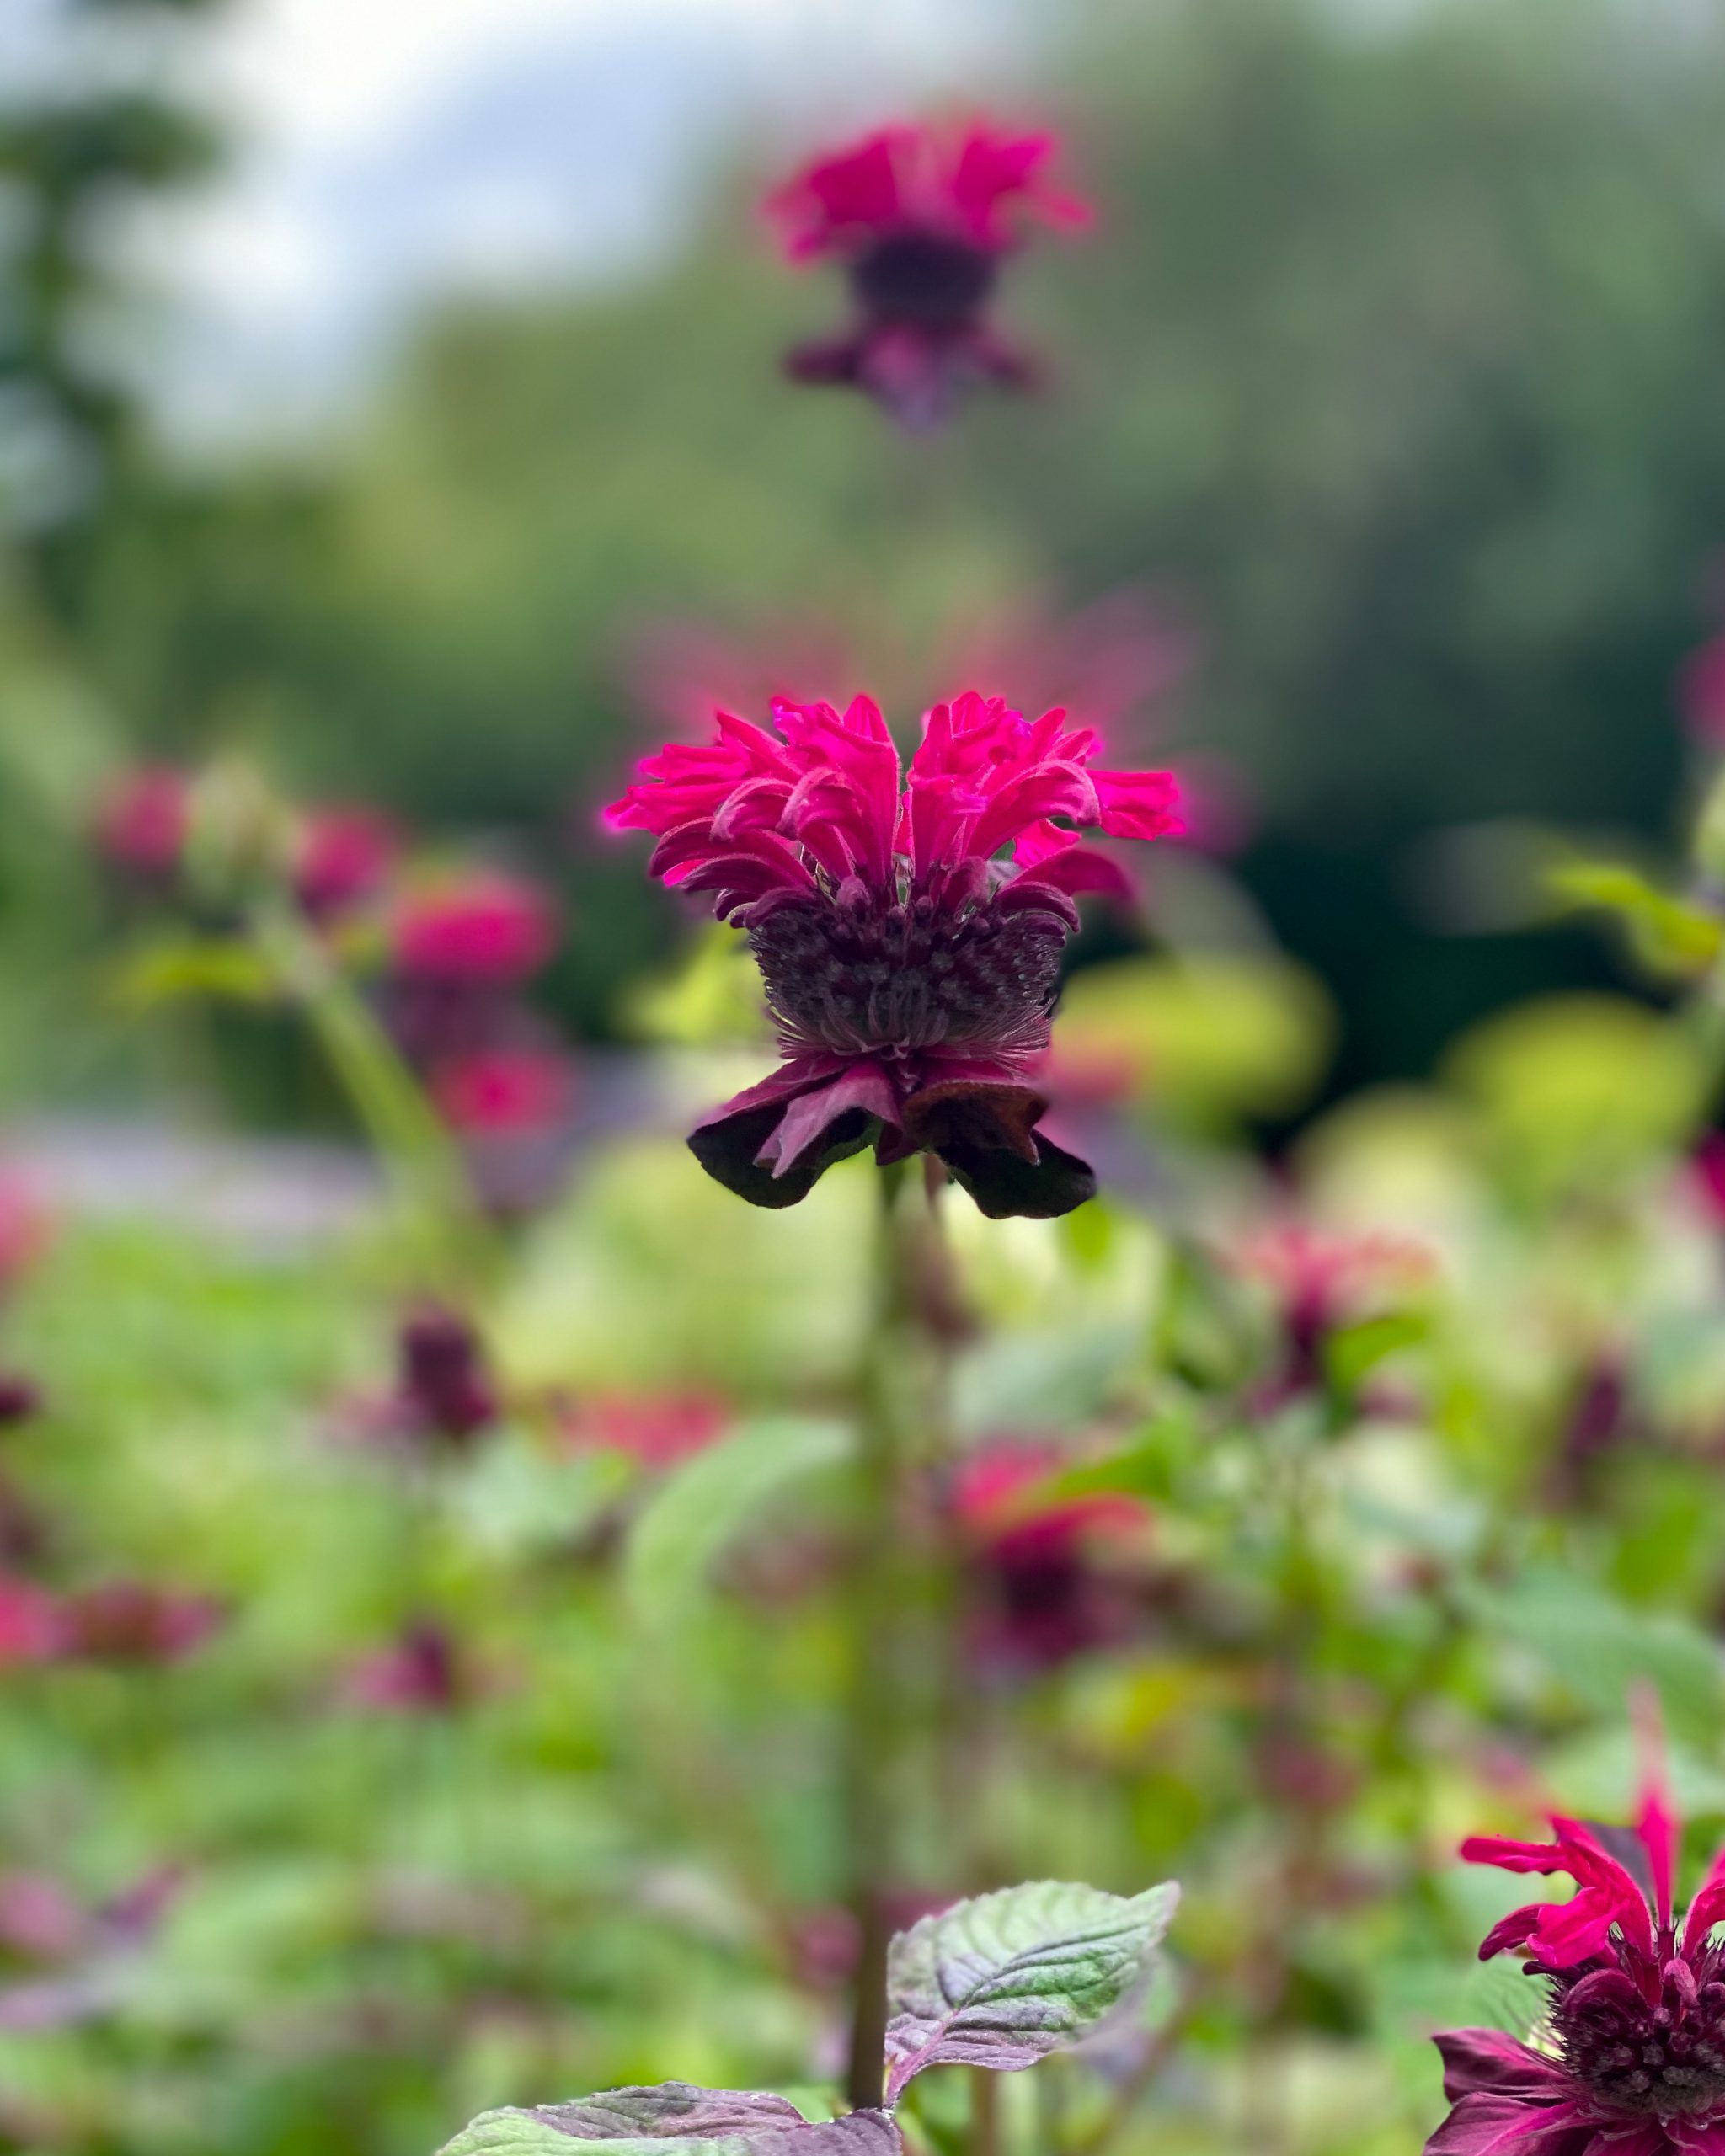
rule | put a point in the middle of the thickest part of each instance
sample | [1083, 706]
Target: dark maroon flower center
[924, 279]
[911, 975]
[1665, 2061]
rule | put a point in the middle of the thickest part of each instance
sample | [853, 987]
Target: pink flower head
[920, 220]
[142, 820]
[995, 1500]
[1322, 1279]
[1636, 2063]
[1706, 1176]
[908, 924]
[656, 1429]
[340, 857]
[30, 1623]
[505, 1092]
[443, 1389]
[21, 1399]
[133, 1621]
[443, 1397]
[482, 929]
[1042, 1584]
[40, 1920]
[423, 1671]
[1701, 693]
[26, 1226]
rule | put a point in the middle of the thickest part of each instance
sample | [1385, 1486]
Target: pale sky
[389, 148]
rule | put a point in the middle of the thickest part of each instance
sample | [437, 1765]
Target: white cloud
[390, 148]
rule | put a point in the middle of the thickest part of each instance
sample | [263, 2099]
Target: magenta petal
[865, 1086]
[1693, 2137]
[1485, 2059]
[1644, 2137]
[1483, 2124]
[984, 1131]
[1080, 872]
[1511, 1856]
[729, 1144]
[1514, 1930]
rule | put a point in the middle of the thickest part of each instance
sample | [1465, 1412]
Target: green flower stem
[899, 1421]
[877, 1661]
[419, 1156]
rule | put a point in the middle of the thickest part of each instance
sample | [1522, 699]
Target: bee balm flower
[908, 924]
[1632, 2059]
[921, 223]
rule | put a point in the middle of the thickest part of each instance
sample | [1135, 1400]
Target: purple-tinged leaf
[677, 2118]
[1005, 1979]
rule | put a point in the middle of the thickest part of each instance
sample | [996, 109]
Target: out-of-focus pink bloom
[26, 1226]
[39, 1921]
[133, 1621]
[484, 928]
[1701, 693]
[1635, 1996]
[30, 1627]
[1046, 1575]
[1091, 1075]
[682, 672]
[1706, 1177]
[142, 821]
[444, 1397]
[1601, 1419]
[424, 1671]
[42, 1921]
[505, 1092]
[19, 1399]
[909, 926]
[1321, 1281]
[920, 220]
[341, 855]
[445, 1388]
[657, 1429]
[1216, 795]
[823, 1943]
[1109, 663]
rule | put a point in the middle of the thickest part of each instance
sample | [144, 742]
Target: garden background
[1326, 1489]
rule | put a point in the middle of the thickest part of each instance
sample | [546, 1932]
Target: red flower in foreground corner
[1634, 2063]
[921, 223]
[908, 926]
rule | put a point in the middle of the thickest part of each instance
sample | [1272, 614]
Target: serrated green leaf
[1004, 1980]
[518, 2133]
[677, 2119]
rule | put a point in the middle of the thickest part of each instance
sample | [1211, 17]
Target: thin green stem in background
[419, 1156]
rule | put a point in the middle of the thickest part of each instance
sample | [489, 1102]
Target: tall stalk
[418, 1157]
[899, 1419]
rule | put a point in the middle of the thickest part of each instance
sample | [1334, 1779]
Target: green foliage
[1009, 1978]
